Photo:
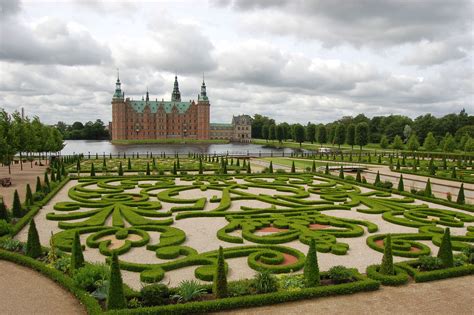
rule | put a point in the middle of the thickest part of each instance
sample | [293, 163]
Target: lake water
[106, 147]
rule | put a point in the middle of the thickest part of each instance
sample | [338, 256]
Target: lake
[106, 147]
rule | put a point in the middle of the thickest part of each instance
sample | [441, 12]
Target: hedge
[411, 268]
[400, 277]
[362, 284]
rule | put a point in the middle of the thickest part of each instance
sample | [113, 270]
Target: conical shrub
[428, 192]
[293, 170]
[120, 169]
[358, 176]
[38, 185]
[341, 173]
[115, 296]
[461, 199]
[220, 278]
[386, 267]
[445, 252]
[29, 196]
[401, 186]
[17, 210]
[4, 215]
[77, 257]
[311, 268]
[148, 168]
[92, 170]
[377, 179]
[33, 246]
[270, 168]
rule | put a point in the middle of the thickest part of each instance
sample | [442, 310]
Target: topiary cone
[220, 278]
[115, 296]
[33, 246]
[77, 257]
[445, 252]
[386, 267]
[311, 268]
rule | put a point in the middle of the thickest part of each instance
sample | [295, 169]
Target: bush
[189, 290]
[399, 276]
[17, 210]
[4, 215]
[154, 294]
[88, 276]
[340, 274]
[311, 268]
[429, 263]
[445, 252]
[387, 261]
[4, 227]
[240, 288]
[63, 264]
[77, 257]
[11, 244]
[220, 278]
[33, 246]
[115, 298]
[291, 282]
[265, 282]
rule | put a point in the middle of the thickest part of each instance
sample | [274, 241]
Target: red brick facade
[145, 119]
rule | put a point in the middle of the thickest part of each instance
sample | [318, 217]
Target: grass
[298, 163]
[169, 141]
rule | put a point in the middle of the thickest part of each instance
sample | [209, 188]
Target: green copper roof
[220, 126]
[139, 106]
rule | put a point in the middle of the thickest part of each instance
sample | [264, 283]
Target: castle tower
[119, 119]
[176, 95]
[203, 113]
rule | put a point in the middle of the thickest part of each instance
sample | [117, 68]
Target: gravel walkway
[24, 291]
[451, 296]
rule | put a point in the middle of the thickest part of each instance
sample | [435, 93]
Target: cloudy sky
[293, 60]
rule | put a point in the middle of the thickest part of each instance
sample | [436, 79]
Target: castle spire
[203, 95]
[118, 89]
[176, 95]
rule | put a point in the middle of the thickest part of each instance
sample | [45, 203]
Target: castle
[147, 119]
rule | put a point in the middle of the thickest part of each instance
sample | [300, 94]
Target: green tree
[430, 143]
[322, 134]
[311, 267]
[449, 143]
[279, 133]
[413, 143]
[265, 132]
[33, 246]
[271, 132]
[445, 252]
[384, 142]
[310, 132]
[220, 278]
[298, 133]
[77, 257]
[386, 268]
[115, 297]
[362, 134]
[350, 136]
[469, 145]
[397, 143]
[340, 135]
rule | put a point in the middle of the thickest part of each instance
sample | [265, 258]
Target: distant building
[153, 119]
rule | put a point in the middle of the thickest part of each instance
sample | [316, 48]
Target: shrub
[340, 274]
[92, 170]
[115, 297]
[401, 186]
[37, 196]
[311, 268]
[293, 170]
[220, 278]
[189, 290]
[358, 176]
[154, 294]
[265, 282]
[4, 215]
[240, 288]
[428, 192]
[350, 178]
[291, 282]
[4, 227]
[77, 257]
[38, 185]
[17, 210]
[377, 179]
[29, 196]
[341, 173]
[461, 199]
[468, 252]
[120, 169]
[33, 246]
[429, 263]
[87, 276]
[445, 252]
[11, 244]
[63, 264]
[386, 267]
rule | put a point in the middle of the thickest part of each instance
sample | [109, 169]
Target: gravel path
[25, 291]
[451, 296]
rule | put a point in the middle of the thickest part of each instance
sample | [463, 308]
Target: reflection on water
[106, 147]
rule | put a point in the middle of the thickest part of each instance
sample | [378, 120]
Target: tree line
[448, 133]
[25, 136]
[88, 131]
